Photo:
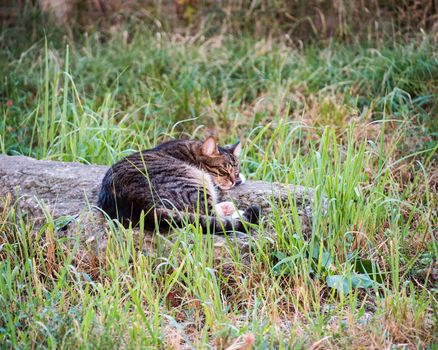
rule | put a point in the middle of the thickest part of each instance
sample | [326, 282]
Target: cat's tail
[214, 223]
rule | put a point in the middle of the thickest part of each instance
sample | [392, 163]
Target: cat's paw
[252, 214]
[238, 214]
[225, 208]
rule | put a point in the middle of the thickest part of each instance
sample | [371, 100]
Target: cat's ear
[236, 149]
[209, 147]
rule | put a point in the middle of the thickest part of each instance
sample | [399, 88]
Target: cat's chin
[226, 188]
[242, 179]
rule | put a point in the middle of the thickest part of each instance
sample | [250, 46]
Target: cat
[174, 181]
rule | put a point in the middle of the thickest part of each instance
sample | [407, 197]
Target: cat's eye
[222, 172]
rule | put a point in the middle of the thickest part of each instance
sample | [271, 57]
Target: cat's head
[222, 163]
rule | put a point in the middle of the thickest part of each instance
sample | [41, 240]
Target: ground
[356, 121]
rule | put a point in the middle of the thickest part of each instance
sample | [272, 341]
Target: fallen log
[44, 190]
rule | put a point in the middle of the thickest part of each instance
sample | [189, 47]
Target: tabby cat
[172, 182]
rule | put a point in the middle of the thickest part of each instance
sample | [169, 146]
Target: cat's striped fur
[172, 182]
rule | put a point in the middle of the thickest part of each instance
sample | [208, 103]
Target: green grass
[356, 122]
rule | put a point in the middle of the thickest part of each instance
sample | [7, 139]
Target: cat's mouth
[240, 180]
[226, 187]
[229, 184]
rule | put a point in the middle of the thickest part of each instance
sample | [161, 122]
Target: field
[356, 121]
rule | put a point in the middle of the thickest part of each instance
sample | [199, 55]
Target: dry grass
[355, 121]
[296, 20]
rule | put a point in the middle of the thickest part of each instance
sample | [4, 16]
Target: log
[61, 9]
[49, 190]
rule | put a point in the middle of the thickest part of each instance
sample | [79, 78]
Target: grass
[357, 122]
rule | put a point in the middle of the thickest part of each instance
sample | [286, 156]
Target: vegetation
[356, 121]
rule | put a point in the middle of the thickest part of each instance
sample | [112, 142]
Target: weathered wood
[65, 189]
[61, 9]
[69, 188]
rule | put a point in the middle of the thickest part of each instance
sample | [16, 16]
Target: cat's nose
[238, 181]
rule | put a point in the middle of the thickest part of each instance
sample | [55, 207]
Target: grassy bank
[358, 122]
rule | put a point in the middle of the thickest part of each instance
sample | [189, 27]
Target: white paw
[225, 208]
[237, 214]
